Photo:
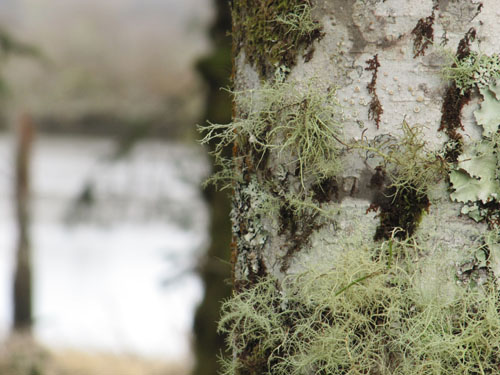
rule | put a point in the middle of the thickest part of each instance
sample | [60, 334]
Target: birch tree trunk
[365, 179]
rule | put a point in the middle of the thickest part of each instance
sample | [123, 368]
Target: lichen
[473, 71]
[475, 180]
[298, 123]
[474, 177]
[407, 170]
[288, 142]
[273, 31]
[368, 312]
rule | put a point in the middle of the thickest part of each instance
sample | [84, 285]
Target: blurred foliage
[10, 46]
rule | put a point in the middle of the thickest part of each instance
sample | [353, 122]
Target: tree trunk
[22, 280]
[365, 184]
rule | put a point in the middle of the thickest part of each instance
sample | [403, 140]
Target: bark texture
[399, 89]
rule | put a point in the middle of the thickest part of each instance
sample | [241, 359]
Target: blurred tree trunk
[214, 271]
[22, 280]
[345, 135]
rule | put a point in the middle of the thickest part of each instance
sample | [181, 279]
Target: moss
[326, 190]
[272, 31]
[375, 110]
[402, 213]
[451, 120]
[367, 312]
[423, 34]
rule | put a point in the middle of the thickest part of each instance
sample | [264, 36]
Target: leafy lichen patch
[474, 177]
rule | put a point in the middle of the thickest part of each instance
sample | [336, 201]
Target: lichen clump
[370, 313]
[298, 123]
[473, 71]
[475, 176]
[272, 31]
[407, 169]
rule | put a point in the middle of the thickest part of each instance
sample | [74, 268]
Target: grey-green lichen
[476, 176]
[368, 312]
[298, 123]
[407, 169]
[473, 71]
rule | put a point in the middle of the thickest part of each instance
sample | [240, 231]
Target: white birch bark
[410, 87]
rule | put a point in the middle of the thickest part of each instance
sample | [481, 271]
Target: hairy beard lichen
[297, 123]
[370, 313]
[408, 169]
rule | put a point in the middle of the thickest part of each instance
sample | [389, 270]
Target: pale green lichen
[488, 116]
[298, 23]
[474, 70]
[476, 177]
[368, 313]
[410, 168]
[298, 123]
[408, 161]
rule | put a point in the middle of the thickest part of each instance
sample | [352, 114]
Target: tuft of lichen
[411, 169]
[473, 71]
[368, 312]
[272, 31]
[297, 123]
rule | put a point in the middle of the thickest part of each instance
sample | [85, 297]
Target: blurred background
[113, 258]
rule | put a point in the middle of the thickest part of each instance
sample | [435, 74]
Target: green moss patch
[272, 31]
